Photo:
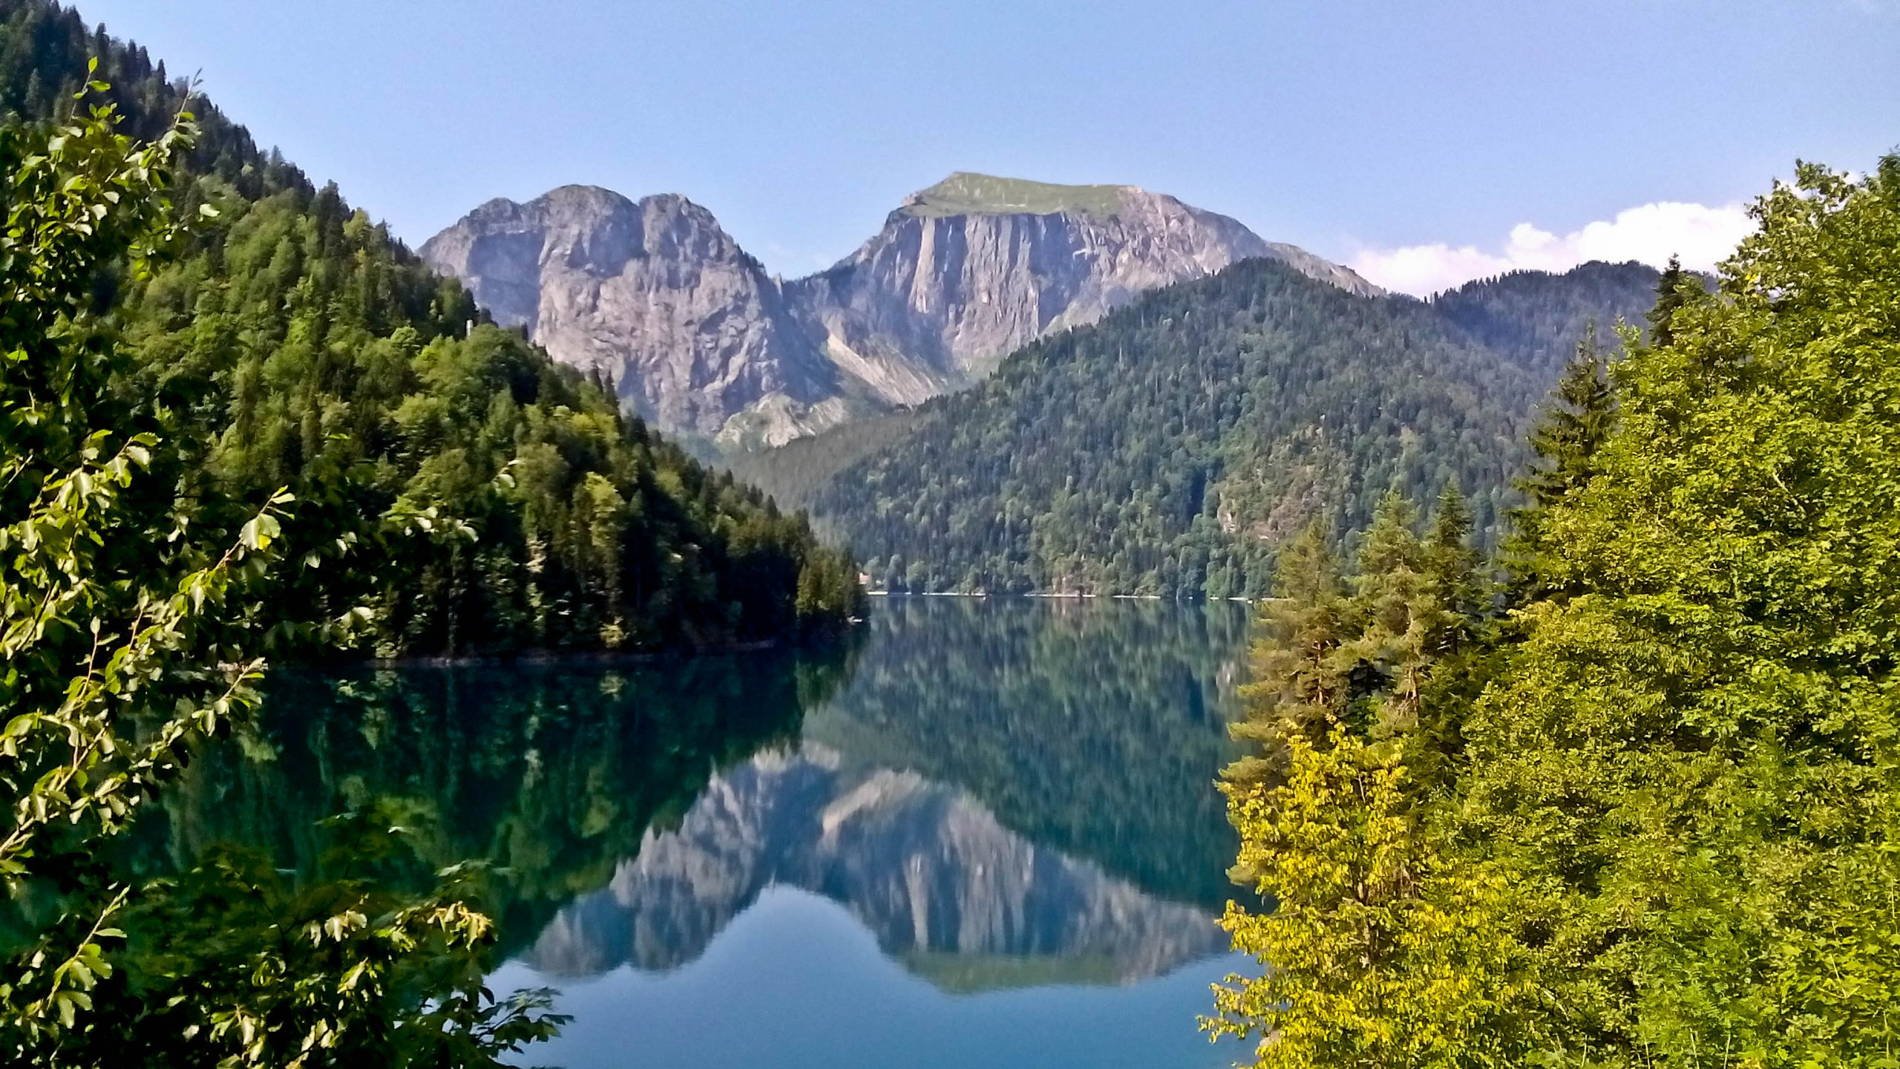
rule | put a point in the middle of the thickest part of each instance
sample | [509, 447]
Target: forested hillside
[1648, 815]
[456, 490]
[1535, 318]
[1172, 447]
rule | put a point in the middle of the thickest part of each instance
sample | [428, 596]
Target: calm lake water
[983, 835]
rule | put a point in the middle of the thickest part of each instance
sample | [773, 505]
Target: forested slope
[1643, 803]
[1536, 318]
[1172, 447]
[451, 479]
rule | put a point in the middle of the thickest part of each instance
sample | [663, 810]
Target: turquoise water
[797, 981]
[985, 834]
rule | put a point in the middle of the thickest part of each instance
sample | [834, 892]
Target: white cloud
[1700, 234]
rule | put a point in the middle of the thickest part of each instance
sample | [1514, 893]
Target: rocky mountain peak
[654, 290]
[962, 273]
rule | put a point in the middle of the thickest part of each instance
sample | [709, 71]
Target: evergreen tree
[1367, 924]
[1570, 429]
[1297, 688]
[1675, 289]
[1396, 620]
[1564, 442]
[1451, 562]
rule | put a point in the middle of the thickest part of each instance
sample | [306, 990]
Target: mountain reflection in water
[1004, 794]
[925, 867]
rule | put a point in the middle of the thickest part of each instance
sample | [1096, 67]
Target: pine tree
[1390, 613]
[1452, 567]
[1297, 687]
[1571, 428]
[1674, 290]
[1366, 920]
[1569, 431]
[1450, 559]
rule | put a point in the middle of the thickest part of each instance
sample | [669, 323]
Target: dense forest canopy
[1640, 806]
[130, 633]
[456, 490]
[1172, 447]
[1537, 318]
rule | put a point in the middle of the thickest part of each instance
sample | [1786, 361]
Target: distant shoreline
[1056, 596]
[541, 657]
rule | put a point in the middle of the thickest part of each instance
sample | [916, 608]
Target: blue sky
[1406, 138]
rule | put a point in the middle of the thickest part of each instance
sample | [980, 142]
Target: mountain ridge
[703, 340]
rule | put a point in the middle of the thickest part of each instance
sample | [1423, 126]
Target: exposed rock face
[654, 292]
[703, 340]
[975, 267]
[924, 866]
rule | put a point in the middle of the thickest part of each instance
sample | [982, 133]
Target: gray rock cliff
[691, 327]
[702, 340]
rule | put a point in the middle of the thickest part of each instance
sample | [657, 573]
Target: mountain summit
[969, 193]
[702, 340]
[654, 290]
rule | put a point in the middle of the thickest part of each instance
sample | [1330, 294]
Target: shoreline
[547, 656]
[1056, 596]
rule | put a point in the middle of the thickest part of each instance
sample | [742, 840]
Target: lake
[984, 833]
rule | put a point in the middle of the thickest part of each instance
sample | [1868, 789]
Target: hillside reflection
[1003, 794]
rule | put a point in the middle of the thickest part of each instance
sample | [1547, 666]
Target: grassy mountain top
[967, 193]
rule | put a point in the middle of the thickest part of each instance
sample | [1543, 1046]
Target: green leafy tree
[1705, 735]
[124, 636]
[1665, 832]
[1377, 946]
[1380, 952]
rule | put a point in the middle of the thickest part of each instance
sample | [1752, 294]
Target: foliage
[233, 962]
[456, 490]
[1382, 955]
[124, 629]
[1664, 828]
[1171, 448]
[1379, 948]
